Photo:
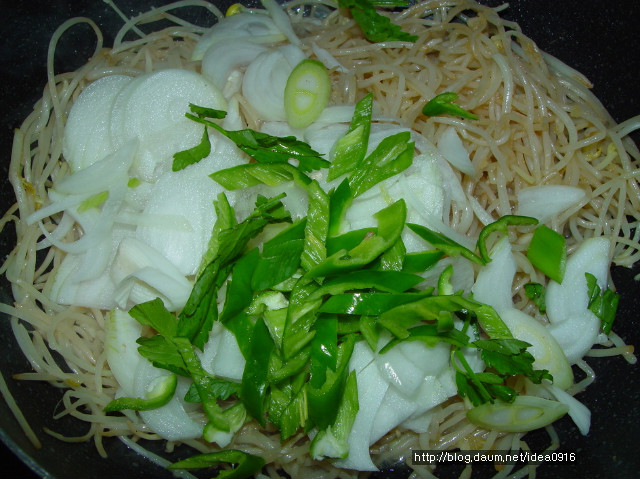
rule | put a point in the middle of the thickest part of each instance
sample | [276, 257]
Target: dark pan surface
[600, 39]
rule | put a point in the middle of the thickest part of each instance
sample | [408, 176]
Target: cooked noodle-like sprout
[538, 125]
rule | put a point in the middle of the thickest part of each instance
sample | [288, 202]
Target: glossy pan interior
[597, 38]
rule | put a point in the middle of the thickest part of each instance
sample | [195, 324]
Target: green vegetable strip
[388, 281]
[162, 353]
[317, 228]
[332, 441]
[225, 220]
[537, 293]
[390, 225]
[301, 315]
[376, 27]
[280, 370]
[351, 149]
[501, 225]
[393, 155]
[201, 310]
[430, 335]
[220, 388]
[403, 316]
[247, 464]
[349, 240]
[280, 257]
[548, 252]
[254, 378]
[339, 201]
[467, 381]
[93, 201]
[368, 328]
[161, 393]
[444, 281]
[262, 147]
[295, 413]
[182, 159]
[421, 261]
[367, 303]
[393, 258]
[324, 400]
[252, 174]
[444, 244]
[443, 104]
[324, 349]
[604, 305]
[201, 380]
[239, 289]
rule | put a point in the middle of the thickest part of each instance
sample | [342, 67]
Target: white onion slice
[137, 263]
[577, 411]
[281, 20]
[494, 282]
[573, 325]
[246, 26]
[265, 79]
[547, 201]
[227, 55]
[451, 146]
[172, 420]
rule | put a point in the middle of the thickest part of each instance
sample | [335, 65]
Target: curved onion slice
[137, 264]
[281, 20]
[546, 201]
[453, 150]
[227, 55]
[573, 325]
[122, 332]
[493, 287]
[171, 421]
[265, 80]
[246, 26]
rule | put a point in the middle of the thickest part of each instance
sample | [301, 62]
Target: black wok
[600, 39]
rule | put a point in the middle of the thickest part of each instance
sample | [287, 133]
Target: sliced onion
[327, 58]
[121, 334]
[577, 411]
[451, 146]
[573, 325]
[137, 263]
[547, 201]
[494, 282]
[265, 80]
[171, 421]
[252, 27]
[281, 20]
[227, 55]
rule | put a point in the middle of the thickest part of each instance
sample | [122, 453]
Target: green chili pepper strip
[160, 393]
[447, 245]
[324, 401]
[501, 226]
[247, 464]
[390, 225]
[548, 252]
[254, 378]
